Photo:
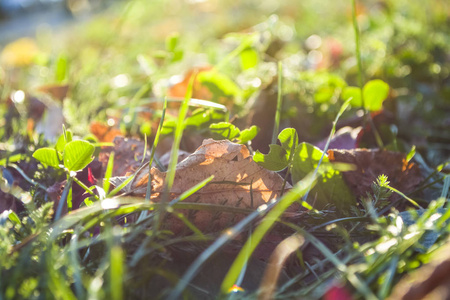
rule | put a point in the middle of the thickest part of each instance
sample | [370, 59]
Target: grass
[302, 57]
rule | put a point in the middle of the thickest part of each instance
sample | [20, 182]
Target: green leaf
[198, 118]
[324, 94]
[411, 153]
[47, 156]
[225, 129]
[77, 155]
[172, 42]
[276, 160]
[168, 126]
[248, 134]
[12, 159]
[375, 92]
[331, 187]
[248, 58]
[324, 84]
[288, 138]
[62, 68]
[354, 93]
[278, 157]
[13, 217]
[219, 84]
[62, 141]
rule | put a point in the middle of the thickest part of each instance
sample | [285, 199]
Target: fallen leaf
[238, 181]
[128, 155]
[165, 158]
[56, 91]
[431, 281]
[178, 90]
[403, 175]
[104, 132]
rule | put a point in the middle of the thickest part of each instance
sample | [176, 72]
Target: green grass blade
[152, 156]
[117, 272]
[353, 278]
[298, 191]
[244, 45]
[155, 144]
[192, 190]
[121, 186]
[108, 173]
[358, 52]
[170, 175]
[64, 198]
[330, 136]
[218, 243]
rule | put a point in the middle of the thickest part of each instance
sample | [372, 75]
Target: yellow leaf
[19, 53]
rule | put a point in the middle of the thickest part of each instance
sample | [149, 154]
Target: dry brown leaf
[56, 91]
[431, 281]
[404, 176]
[235, 176]
[128, 155]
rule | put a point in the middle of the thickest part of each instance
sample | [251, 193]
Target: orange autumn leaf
[199, 91]
[104, 132]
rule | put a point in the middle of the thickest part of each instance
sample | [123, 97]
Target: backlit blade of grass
[352, 277]
[170, 175]
[276, 263]
[192, 190]
[330, 136]
[218, 243]
[108, 173]
[121, 186]
[116, 272]
[229, 235]
[244, 45]
[58, 285]
[298, 191]
[152, 155]
[361, 74]
[75, 264]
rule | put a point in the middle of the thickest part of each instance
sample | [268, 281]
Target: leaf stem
[367, 117]
[276, 126]
[358, 54]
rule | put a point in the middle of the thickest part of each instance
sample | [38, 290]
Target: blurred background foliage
[116, 62]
